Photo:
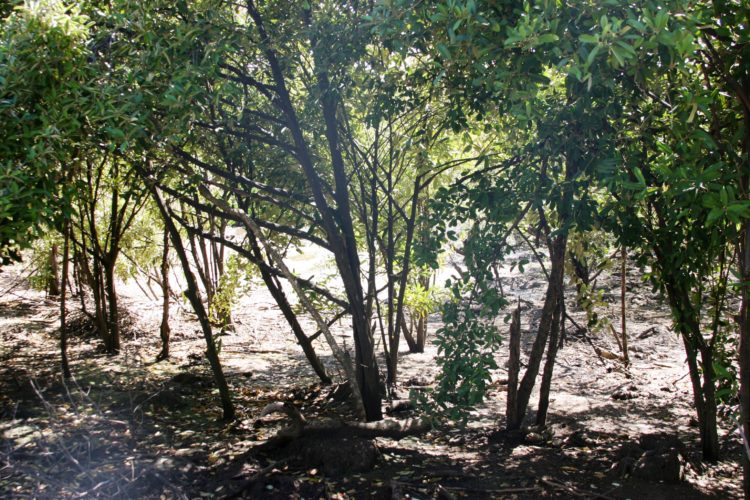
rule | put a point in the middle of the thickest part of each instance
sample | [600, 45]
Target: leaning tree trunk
[274, 287]
[193, 295]
[336, 221]
[341, 356]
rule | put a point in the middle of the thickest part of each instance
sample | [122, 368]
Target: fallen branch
[335, 429]
[582, 331]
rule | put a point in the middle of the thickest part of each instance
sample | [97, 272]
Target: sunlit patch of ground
[129, 427]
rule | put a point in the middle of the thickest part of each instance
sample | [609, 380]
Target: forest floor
[128, 427]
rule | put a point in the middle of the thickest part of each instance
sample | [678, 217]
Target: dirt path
[127, 427]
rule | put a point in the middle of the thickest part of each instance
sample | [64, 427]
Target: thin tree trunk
[341, 356]
[336, 222]
[100, 306]
[549, 365]
[279, 296]
[53, 281]
[421, 334]
[164, 330]
[514, 368]
[84, 273]
[63, 294]
[408, 335]
[704, 392]
[623, 286]
[193, 295]
[744, 349]
[709, 429]
[554, 290]
[113, 309]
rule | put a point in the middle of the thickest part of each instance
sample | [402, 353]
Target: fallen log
[336, 446]
[336, 429]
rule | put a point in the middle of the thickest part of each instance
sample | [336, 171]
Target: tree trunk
[411, 342]
[279, 296]
[744, 264]
[744, 353]
[63, 293]
[514, 368]
[113, 318]
[549, 365]
[554, 291]
[421, 334]
[100, 304]
[336, 222]
[164, 330]
[53, 280]
[341, 356]
[193, 295]
[623, 320]
[708, 428]
[704, 392]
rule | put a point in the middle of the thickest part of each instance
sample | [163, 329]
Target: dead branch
[336, 429]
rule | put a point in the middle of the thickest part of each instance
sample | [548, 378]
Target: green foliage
[422, 300]
[40, 260]
[233, 283]
[466, 344]
[44, 78]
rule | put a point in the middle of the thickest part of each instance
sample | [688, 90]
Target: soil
[129, 427]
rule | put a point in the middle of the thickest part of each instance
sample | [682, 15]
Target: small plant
[232, 284]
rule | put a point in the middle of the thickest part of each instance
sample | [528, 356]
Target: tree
[44, 78]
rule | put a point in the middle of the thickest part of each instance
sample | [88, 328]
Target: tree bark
[549, 365]
[744, 264]
[704, 391]
[113, 317]
[164, 330]
[623, 319]
[514, 368]
[554, 290]
[337, 222]
[63, 296]
[53, 280]
[744, 349]
[279, 296]
[193, 295]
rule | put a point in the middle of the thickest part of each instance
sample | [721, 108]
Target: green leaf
[714, 214]
[547, 38]
[444, 50]
[585, 38]
[639, 175]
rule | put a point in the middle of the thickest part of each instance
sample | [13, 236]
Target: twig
[585, 336]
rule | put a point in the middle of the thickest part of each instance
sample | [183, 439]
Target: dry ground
[128, 427]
